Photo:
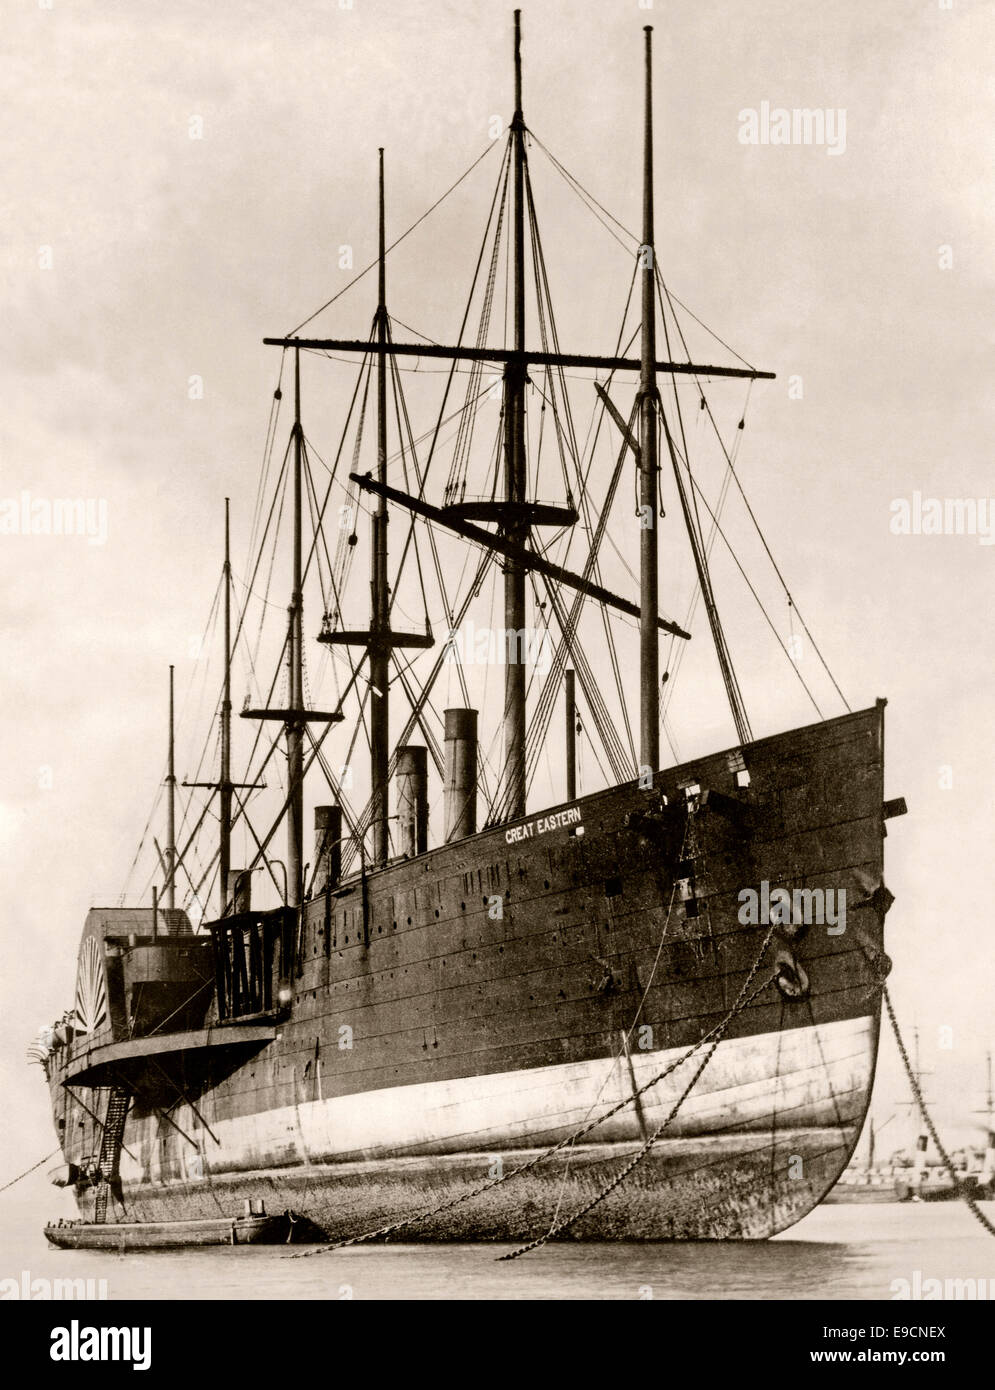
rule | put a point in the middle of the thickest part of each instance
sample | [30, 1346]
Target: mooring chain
[503, 1177]
[742, 1002]
[972, 1205]
[881, 965]
[407, 1221]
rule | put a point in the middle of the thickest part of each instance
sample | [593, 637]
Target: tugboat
[477, 1035]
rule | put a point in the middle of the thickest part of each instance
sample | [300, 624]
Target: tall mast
[295, 662]
[380, 604]
[171, 810]
[379, 639]
[571, 722]
[649, 661]
[225, 786]
[512, 512]
[517, 525]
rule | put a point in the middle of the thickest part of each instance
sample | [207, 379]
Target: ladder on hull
[109, 1160]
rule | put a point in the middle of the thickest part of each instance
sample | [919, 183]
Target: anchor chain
[972, 1205]
[714, 1034]
[742, 1002]
[881, 966]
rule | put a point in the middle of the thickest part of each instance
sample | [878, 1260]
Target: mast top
[518, 67]
[381, 251]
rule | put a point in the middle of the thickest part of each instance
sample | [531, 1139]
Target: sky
[179, 182]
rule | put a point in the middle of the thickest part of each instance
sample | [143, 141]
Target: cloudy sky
[178, 181]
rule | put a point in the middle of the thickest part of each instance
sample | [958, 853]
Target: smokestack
[240, 894]
[919, 1165]
[461, 773]
[327, 847]
[988, 1166]
[412, 798]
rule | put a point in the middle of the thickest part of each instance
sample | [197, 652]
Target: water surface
[836, 1252]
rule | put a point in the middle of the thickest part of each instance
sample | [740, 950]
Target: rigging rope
[567, 447]
[716, 1033]
[662, 289]
[34, 1166]
[756, 596]
[417, 223]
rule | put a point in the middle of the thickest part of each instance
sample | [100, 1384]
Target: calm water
[836, 1252]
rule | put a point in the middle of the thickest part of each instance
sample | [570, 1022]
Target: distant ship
[916, 1176]
[474, 1038]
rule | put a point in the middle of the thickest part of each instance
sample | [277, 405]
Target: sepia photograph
[496, 530]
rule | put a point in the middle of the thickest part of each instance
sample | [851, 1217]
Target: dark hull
[721, 1189]
[431, 1036]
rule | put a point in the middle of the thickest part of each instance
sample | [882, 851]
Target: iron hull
[455, 1015]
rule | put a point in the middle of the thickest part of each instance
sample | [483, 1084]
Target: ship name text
[530, 828]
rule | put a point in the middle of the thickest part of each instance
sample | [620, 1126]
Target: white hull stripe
[800, 1078]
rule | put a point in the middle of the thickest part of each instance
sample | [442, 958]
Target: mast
[379, 639]
[649, 661]
[512, 513]
[988, 1162]
[295, 663]
[379, 594]
[517, 527]
[171, 810]
[989, 1110]
[571, 720]
[294, 716]
[225, 785]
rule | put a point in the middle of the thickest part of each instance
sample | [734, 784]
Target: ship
[911, 1174]
[616, 1015]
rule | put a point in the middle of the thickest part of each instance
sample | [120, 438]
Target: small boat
[250, 1229]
